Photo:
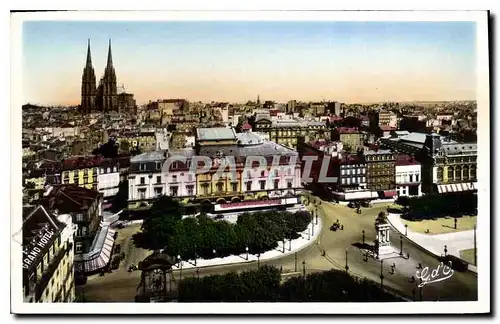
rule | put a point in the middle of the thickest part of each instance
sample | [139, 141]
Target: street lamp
[401, 245]
[382, 274]
[304, 268]
[246, 249]
[180, 267]
[346, 265]
[258, 260]
[363, 232]
[295, 261]
[406, 229]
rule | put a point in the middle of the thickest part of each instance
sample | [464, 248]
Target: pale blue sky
[236, 61]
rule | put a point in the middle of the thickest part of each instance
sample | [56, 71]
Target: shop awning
[98, 257]
[457, 187]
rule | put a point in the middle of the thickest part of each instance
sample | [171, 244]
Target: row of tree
[437, 205]
[202, 236]
[264, 285]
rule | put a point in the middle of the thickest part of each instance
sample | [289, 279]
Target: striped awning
[99, 257]
[457, 187]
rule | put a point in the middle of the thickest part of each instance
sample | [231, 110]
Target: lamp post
[382, 274]
[475, 248]
[406, 229]
[346, 265]
[295, 261]
[180, 267]
[363, 232]
[258, 260]
[304, 268]
[401, 245]
[246, 249]
[455, 223]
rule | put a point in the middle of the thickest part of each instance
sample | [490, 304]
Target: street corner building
[48, 273]
[94, 238]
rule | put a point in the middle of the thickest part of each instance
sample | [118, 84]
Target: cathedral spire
[110, 59]
[89, 56]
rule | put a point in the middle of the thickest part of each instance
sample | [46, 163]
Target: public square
[121, 285]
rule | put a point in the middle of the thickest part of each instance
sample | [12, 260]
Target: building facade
[48, 273]
[286, 132]
[380, 172]
[408, 176]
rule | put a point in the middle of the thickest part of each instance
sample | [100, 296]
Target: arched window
[440, 174]
[458, 173]
[450, 173]
[473, 172]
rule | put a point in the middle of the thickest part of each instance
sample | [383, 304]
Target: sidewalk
[296, 245]
[455, 242]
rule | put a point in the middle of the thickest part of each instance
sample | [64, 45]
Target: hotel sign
[42, 240]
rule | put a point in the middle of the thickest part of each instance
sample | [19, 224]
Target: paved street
[121, 285]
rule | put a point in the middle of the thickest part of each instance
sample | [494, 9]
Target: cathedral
[104, 97]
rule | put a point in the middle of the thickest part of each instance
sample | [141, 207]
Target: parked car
[366, 204]
[456, 263]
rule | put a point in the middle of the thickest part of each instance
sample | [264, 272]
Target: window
[234, 186]
[190, 190]
[364, 179]
[141, 193]
[175, 165]
[411, 177]
[158, 179]
[263, 173]
[473, 172]
[262, 185]
[289, 172]
[416, 177]
[190, 177]
[249, 186]
[158, 165]
[174, 178]
[276, 173]
[342, 172]
[458, 173]
[173, 191]
[84, 230]
[220, 186]
[143, 180]
[439, 174]
[348, 181]
[343, 180]
[289, 185]
[142, 167]
[249, 174]
[276, 184]
[205, 188]
[78, 247]
[450, 173]
[158, 192]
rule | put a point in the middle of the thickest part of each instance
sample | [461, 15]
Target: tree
[161, 223]
[107, 150]
[381, 218]
[121, 198]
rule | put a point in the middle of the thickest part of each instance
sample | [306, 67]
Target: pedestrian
[342, 227]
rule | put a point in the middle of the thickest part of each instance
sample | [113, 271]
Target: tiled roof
[69, 198]
[404, 159]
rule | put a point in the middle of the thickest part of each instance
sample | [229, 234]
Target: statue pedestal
[383, 239]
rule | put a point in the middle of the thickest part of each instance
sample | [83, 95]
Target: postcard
[290, 162]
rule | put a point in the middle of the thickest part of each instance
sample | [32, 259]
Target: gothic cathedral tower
[109, 91]
[88, 85]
